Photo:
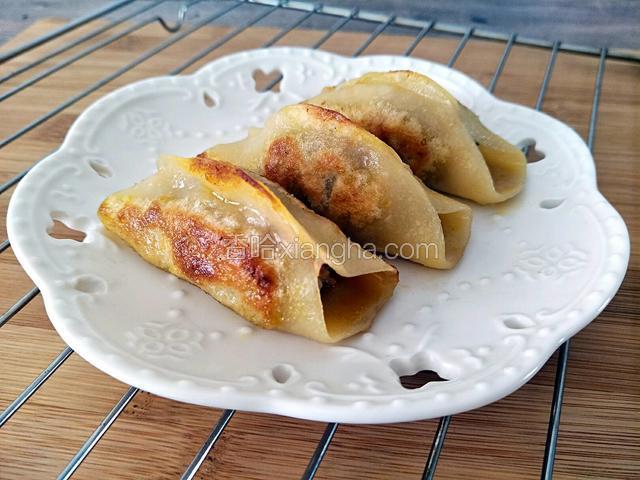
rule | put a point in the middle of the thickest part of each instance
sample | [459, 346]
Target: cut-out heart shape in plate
[537, 269]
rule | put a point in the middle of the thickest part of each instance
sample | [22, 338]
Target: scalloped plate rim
[296, 407]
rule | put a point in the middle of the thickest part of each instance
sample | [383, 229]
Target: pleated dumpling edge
[198, 218]
[345, 173]
[443, 142]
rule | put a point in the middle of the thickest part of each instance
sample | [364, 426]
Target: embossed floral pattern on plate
[532, 276]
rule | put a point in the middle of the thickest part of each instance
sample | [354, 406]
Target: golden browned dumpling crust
[197, 218]
[442, 141]
[348, 175]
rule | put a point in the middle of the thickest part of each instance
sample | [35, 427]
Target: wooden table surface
[157, 438]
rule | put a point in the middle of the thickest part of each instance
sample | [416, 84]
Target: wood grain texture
[157, 438]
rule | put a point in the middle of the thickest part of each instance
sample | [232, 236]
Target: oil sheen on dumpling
[346, 174]
[219, 227]
[443, 142]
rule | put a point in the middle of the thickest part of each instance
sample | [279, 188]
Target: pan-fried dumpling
[346, 174]
[444, 143]
[252, 247]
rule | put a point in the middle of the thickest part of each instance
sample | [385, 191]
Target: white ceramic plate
[537, 269]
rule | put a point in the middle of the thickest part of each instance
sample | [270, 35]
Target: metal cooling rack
[263, 9]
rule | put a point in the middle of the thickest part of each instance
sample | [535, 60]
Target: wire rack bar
[95, 437]
[19, 305]
[145, 56]
[443, 425]
[121, 71]
[563, 352]
[345, 15]
[463, 42]
[454, 29]
[444, 422]
[416, 41]
[547, 75]
[378, 30]
[436, 448]
[34, 386]
[595, 106]
[224, 39]
[320, 451]
[12, 181]
[293, 5]
[554, 416]
[326, 439]
[32, 293]
[74, 58]
[337, 26]
[150, 53]
[554, 419]
[291, 27]
[62, 30]
[280, 35]
[375, 34]
[502, 62]
[331, 428]
[209, 443]
[69, 45]
[46, 374]
[545, 83]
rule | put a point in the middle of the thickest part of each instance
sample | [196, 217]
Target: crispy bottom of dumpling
[197, 219]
